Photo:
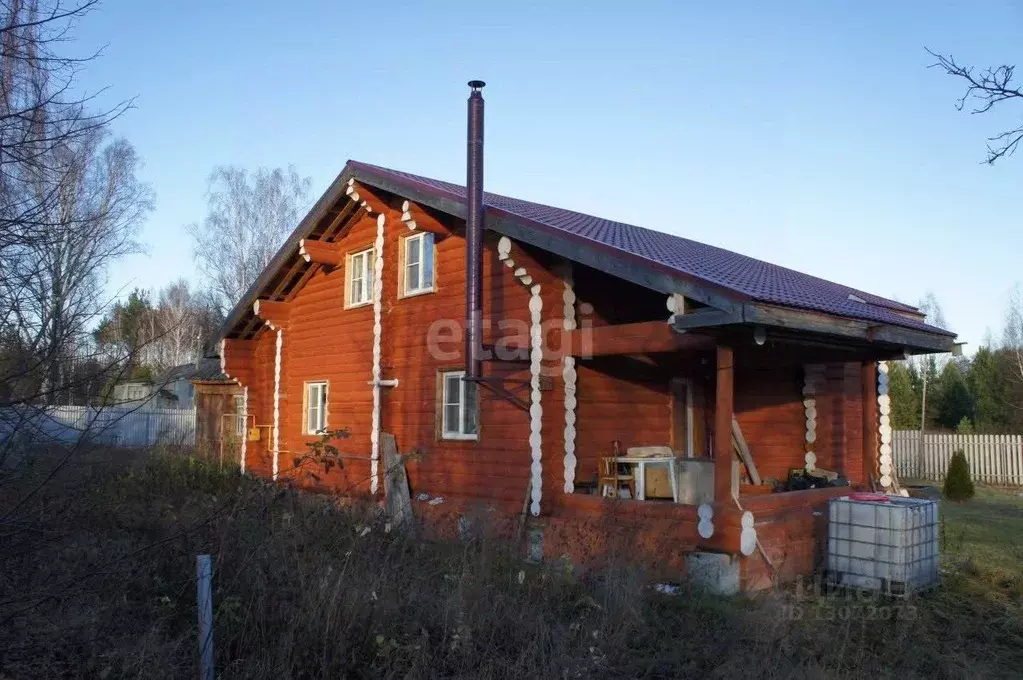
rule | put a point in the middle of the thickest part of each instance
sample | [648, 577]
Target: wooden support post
[723, 410]
[396, 493]
[204, 604]
[868, 374]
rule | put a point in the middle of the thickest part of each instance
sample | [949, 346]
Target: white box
[890, 547]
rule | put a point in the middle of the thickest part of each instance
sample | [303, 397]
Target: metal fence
[115, 426]
[993, 458]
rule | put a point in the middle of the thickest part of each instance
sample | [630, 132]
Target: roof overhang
[289, 249]
[624, 265]
[909, 340]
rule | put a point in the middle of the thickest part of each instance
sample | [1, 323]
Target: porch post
[723, 409]
[868, 374]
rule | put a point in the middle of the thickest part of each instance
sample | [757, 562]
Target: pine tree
[955, 402]
[987, 384]
[904, 398]
[965, 426]
[958, 484]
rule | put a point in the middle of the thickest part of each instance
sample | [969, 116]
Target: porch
[800, 422]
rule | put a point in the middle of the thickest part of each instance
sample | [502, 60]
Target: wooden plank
[633, 338]
[723, 414]
[396, 493]
[704, 319]
[744, 453]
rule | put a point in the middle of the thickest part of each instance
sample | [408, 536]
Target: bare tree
[1012, 335]
[99, 207]
[182, 324]
[247, 219]
[49, 199]
[986, 89]
[170, 332]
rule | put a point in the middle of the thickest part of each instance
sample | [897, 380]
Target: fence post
[204, 577]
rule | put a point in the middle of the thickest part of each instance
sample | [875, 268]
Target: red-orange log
[368, 196]
[871, 424]
[321, 252]
[723, 409]
[416, 218]
[632, 338]
[274, 313]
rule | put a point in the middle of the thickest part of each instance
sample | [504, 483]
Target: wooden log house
[593, 332]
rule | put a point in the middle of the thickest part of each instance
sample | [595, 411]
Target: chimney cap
[477, 85]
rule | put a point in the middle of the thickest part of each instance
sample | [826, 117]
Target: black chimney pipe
[474, 235]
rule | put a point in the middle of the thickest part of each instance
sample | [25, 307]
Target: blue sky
[812, 136]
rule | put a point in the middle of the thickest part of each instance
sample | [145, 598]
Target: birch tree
[248, 216]
[70, 200]
[94, 221]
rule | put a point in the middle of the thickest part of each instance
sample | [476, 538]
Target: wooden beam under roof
[321, 252]
[365, 197]
[416, 218]
[273, 313]
[916, 341]
[704, 318]
[645, 337]
[337, 223]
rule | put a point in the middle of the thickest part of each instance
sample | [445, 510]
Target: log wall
[627, 398]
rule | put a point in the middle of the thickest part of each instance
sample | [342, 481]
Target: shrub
[965, 426]
[958, 484]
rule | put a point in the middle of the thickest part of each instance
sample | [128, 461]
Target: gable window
[360, 277]
[417, 264]
[315, 407]
[459, 406]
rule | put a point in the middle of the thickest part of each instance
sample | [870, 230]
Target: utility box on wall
[889, 546]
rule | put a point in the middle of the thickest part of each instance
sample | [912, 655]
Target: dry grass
[96, 580]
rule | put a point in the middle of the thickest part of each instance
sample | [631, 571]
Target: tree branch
[984, 90]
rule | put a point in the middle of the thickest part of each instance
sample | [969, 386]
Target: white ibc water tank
[890, 546]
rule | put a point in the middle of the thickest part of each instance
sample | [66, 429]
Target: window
[458, 406]
[417, 264]
[315, 407]
[239, 416]
[360, 277]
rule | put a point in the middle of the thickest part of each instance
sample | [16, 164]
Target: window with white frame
[417, 270]
[459, 406]
[239, 415]
[360, 277]
[315, 407]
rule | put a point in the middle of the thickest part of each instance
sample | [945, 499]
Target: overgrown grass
[984, 544]
[97, 580]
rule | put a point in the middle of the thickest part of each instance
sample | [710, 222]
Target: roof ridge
[869, 298]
